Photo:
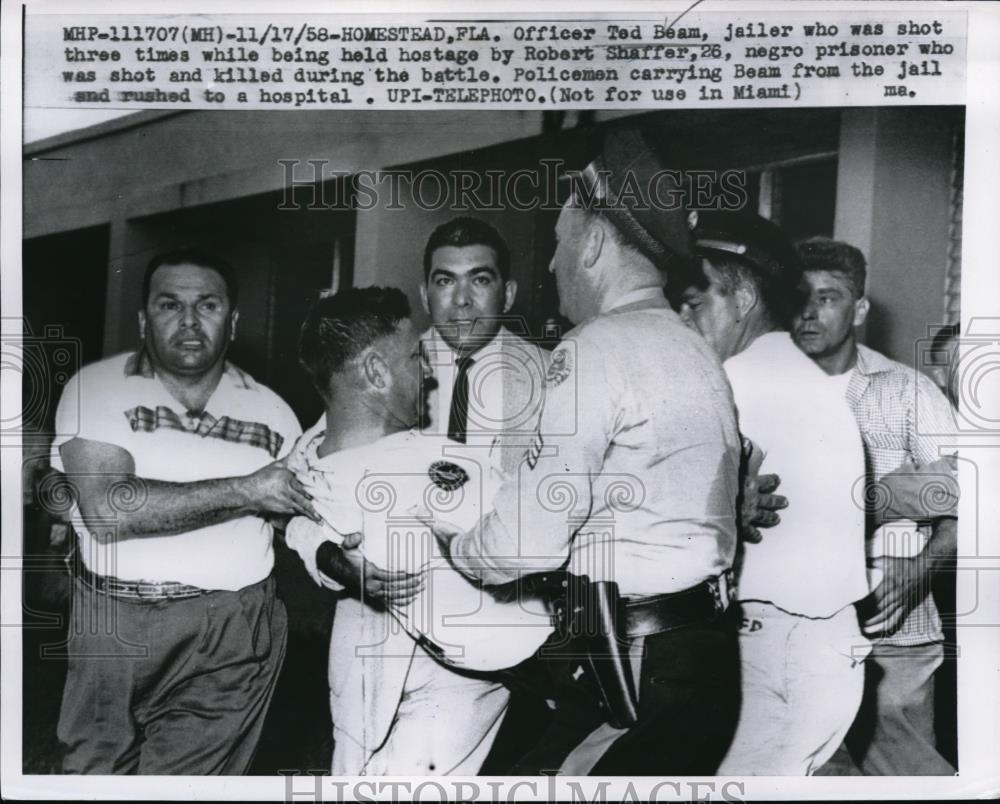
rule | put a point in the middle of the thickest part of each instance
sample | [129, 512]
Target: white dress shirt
[486, 381]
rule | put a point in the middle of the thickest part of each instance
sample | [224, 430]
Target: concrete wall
[185, 160]
[893, 189]
[166, 180]
[162, 179]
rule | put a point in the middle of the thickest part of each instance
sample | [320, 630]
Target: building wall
[162, 180]
[893, 202]
[175, 161]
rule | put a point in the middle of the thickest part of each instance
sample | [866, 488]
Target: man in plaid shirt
[177, 460]
[911, 496]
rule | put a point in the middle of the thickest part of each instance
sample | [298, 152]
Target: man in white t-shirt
[800, 643]
[176, 638]
[398, 706]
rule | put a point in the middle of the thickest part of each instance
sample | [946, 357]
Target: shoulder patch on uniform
[535, 449]
[448, 476]
[560, 367]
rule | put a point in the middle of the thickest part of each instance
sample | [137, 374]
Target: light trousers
[802, 682]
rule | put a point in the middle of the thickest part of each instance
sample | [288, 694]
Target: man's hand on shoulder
[275, 489]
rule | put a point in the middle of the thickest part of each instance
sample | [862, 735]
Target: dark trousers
[689, 697]
[172, 687]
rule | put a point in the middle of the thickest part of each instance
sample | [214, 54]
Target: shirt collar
[646, 294]
[305, 454]
[139, 364]
[871, 362]
[494, 346]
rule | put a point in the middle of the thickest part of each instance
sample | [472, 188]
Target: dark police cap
[630, 186]
[757, 243]
[745, 237]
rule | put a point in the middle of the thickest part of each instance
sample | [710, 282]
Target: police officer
[631, 485]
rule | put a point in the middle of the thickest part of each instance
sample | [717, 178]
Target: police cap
[759, 245]
[743, 236]
[630, 186]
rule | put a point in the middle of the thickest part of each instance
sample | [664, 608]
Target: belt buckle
[114, 587]
[144, 590]
[722, 591]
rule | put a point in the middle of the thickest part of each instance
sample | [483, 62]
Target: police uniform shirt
[633, 473]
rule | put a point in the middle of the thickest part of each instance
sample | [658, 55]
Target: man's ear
[142, 325]
[376, 370]
[423, 298]
[861, 308]
[234, 316]
[509, 294]
[747, 298]
[593, 243]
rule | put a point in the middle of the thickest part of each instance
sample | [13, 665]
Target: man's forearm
[922, 494]
[942, 548]
[140, 508]
[489, 554]
[331, 562]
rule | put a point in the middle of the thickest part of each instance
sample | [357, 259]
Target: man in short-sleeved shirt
[905, 422]
[177, 637]
[245, 427]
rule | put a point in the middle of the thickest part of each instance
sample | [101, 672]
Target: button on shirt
[633, 473]
[813, 562]
[244, 427]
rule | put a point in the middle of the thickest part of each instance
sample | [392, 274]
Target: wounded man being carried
[408, 691]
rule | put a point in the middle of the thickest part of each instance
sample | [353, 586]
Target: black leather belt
[138, 591]
[643, 616]
[700, 604]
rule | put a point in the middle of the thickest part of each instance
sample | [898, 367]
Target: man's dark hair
[466, 231]
[836, 256]
[193, 256]
[338, 328]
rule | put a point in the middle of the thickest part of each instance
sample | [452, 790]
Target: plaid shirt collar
[871, 362]
[139, 364]
[868, 363]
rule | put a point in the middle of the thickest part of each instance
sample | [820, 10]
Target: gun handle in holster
[603, 634]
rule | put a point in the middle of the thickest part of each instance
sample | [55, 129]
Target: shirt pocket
[886, 441]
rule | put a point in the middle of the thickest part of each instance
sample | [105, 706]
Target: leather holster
[598, 622]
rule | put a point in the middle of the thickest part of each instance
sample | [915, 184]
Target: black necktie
[459, 416]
